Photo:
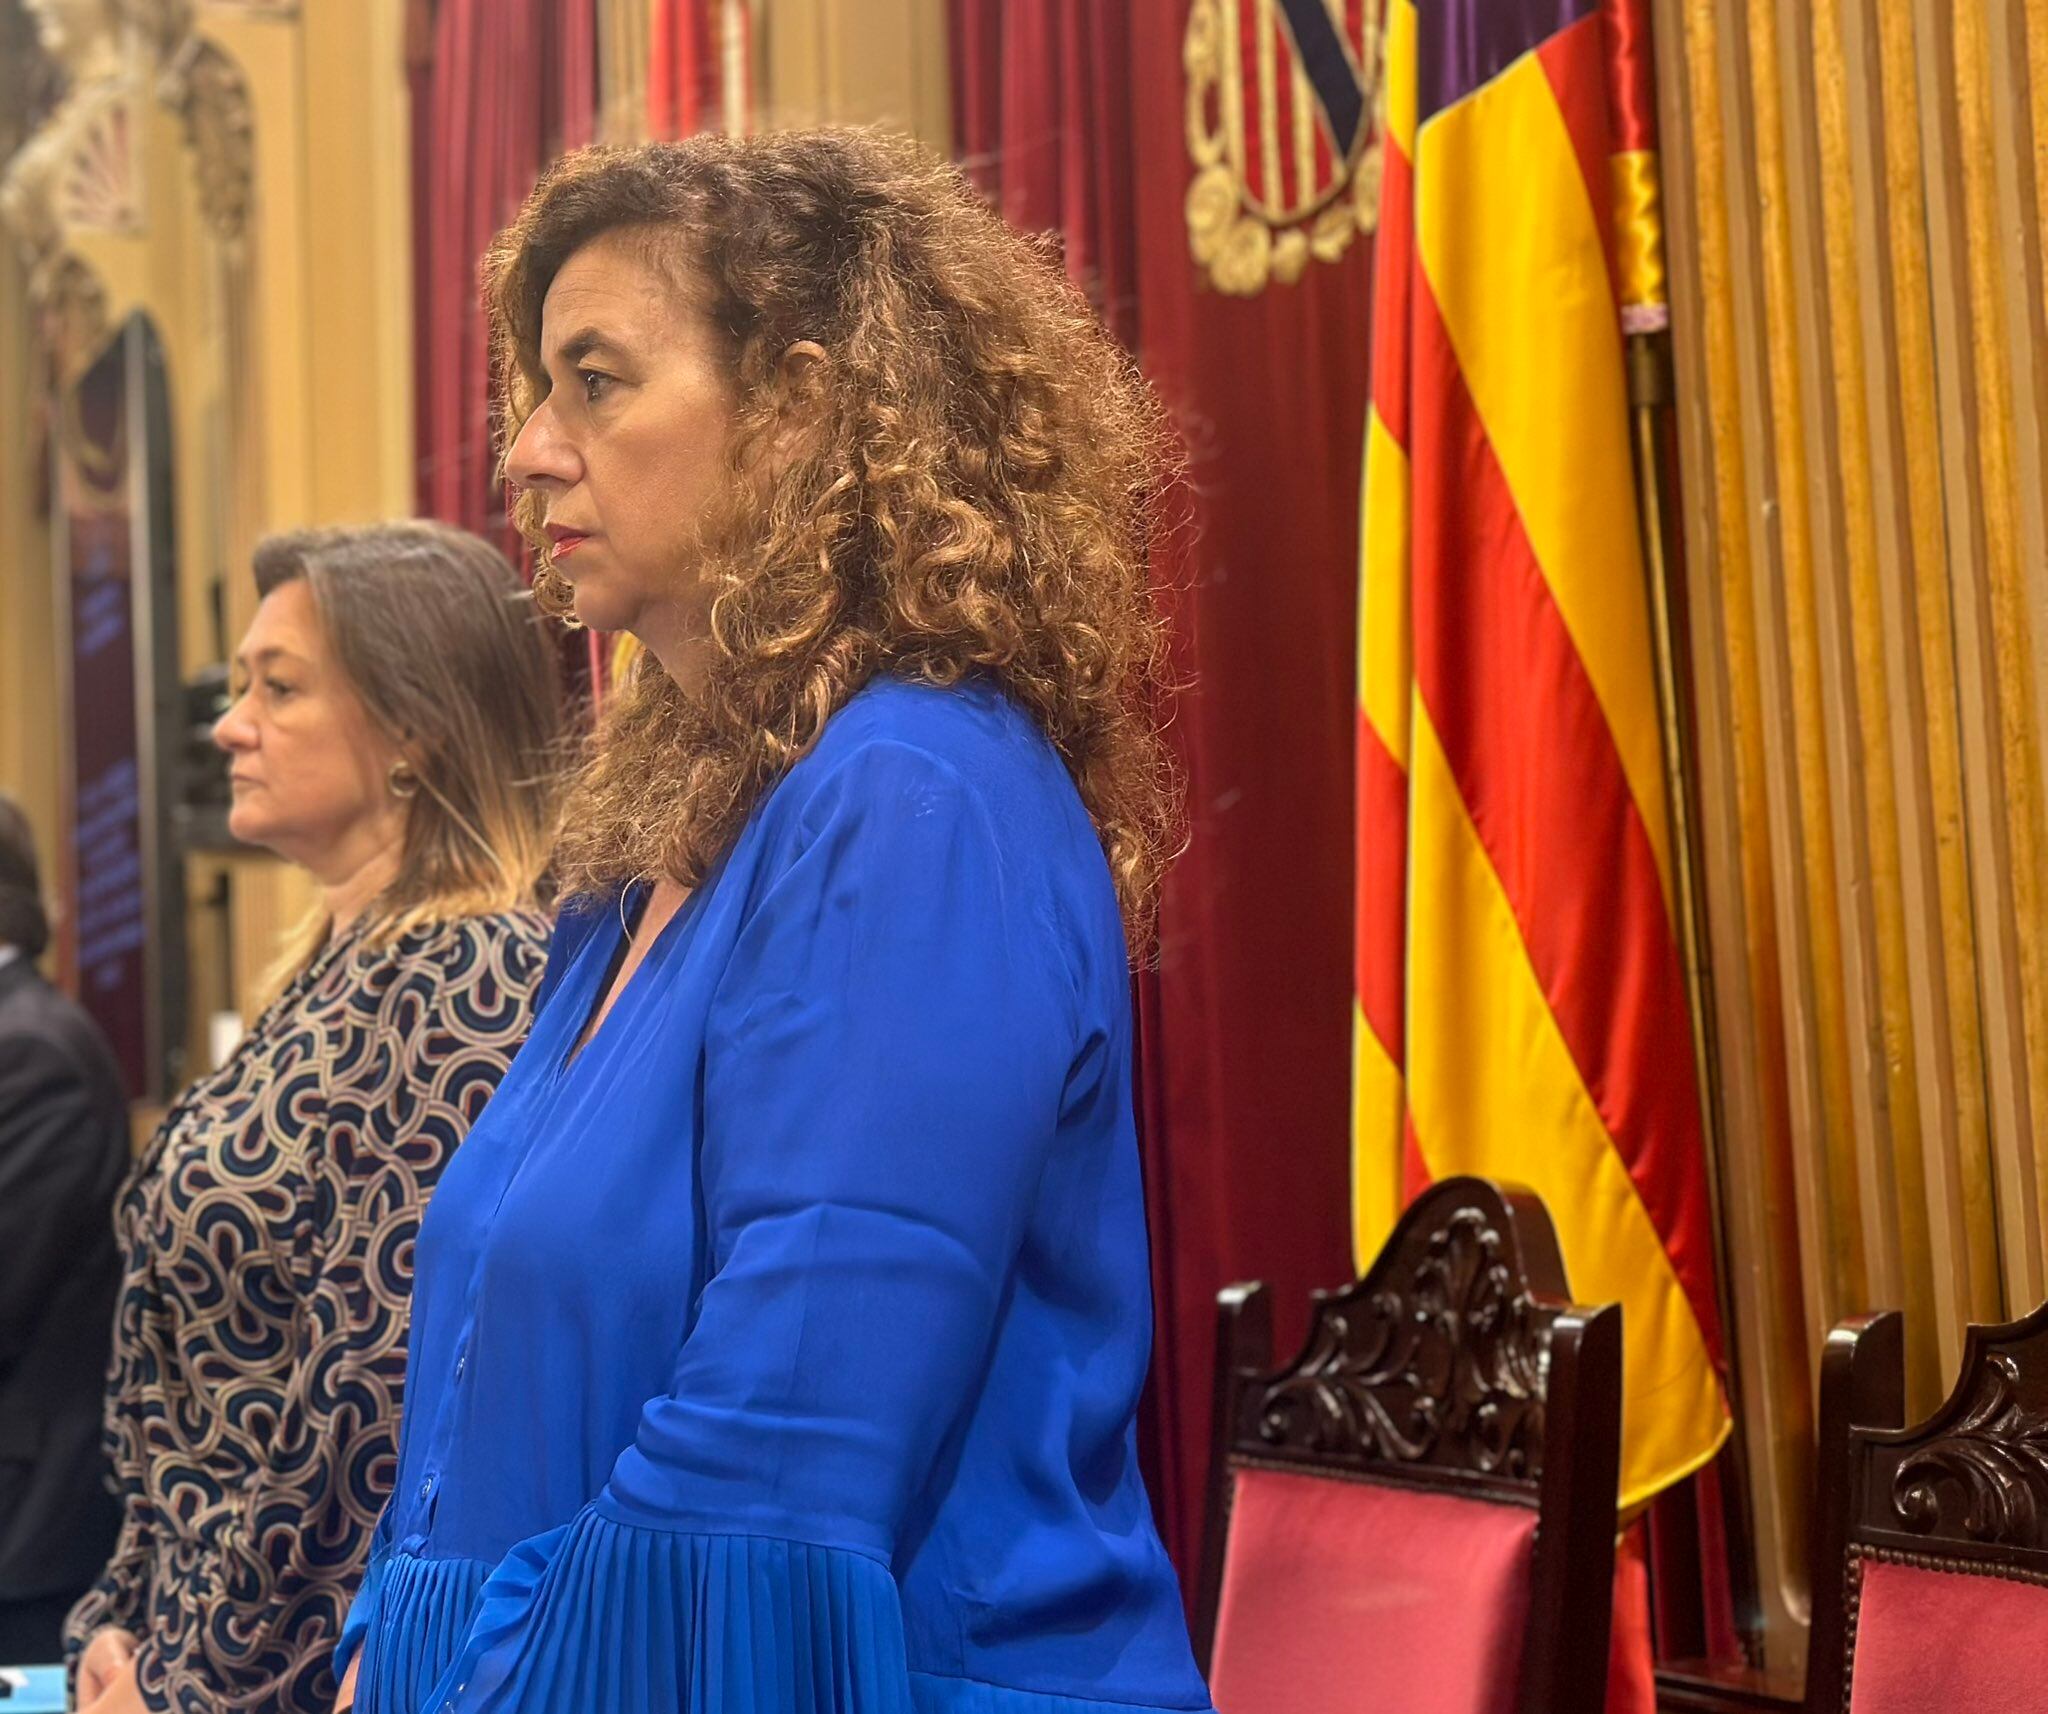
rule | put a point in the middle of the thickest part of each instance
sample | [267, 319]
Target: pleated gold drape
[814, 62]
[1857, 196]
[623, 31]
[881, 62]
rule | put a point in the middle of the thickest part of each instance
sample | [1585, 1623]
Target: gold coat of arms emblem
[1283, 128]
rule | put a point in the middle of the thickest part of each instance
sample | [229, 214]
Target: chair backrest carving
[1457, 1365]
[1435, 1361]
[1965, 1491]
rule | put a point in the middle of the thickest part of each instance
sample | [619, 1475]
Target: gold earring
[402, 780]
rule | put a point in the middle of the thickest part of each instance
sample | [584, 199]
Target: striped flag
[1521, 1003]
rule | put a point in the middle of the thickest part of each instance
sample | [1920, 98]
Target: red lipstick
[566, 541]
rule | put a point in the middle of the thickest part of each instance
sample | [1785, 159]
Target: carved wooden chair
[1416, 1515]
[1930, 1579]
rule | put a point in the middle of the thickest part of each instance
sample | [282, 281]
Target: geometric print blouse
[259, 1345]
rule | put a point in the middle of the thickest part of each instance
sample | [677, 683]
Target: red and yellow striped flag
[1521, 1003]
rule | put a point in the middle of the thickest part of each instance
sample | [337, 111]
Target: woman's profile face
[309, 769]
[628, 447]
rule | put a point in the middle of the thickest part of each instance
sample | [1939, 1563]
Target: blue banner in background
[106, 932]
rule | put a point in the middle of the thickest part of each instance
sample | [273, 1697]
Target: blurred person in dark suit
[63, 1149]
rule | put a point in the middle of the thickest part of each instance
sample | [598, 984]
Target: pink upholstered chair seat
[1948, 1642]
[1344, 1597]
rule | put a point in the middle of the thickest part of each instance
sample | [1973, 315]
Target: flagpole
[1638, 229]
[1650, 394]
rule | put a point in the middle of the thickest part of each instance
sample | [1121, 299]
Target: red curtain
[1249, 1031]
[1042, 120]
[499, 87]
[679, 66]
[1071, 115]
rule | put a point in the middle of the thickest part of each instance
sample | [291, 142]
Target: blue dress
[780, 1350]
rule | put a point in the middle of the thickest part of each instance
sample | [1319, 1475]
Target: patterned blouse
[259, 1346]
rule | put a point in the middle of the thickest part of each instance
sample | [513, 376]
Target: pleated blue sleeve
[884, 1066]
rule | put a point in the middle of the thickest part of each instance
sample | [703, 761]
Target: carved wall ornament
[207, 91]
[28, 199]
[161, 25]
[72, 304]
[98, 189]
[1994, 1462]
[52, 187]
[77, 171]
[84, 37]
[1444, 1368]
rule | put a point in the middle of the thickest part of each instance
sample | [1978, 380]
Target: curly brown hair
[976, 490]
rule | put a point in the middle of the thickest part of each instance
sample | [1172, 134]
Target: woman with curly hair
[779, 1332]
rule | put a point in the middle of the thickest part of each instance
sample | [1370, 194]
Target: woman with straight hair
[780, 1331]
[393, 732]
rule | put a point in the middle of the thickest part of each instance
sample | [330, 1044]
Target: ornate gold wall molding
[79, 174]
[75, 172]
[207, 91]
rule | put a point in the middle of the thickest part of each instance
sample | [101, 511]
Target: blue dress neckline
[606, 955]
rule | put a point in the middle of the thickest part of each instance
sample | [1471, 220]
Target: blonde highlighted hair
[441, 644]
[973, 491]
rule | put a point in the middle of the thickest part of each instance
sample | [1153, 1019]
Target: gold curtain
[623, 28]
[796, 62]
[882, 62]
[1856, 211]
